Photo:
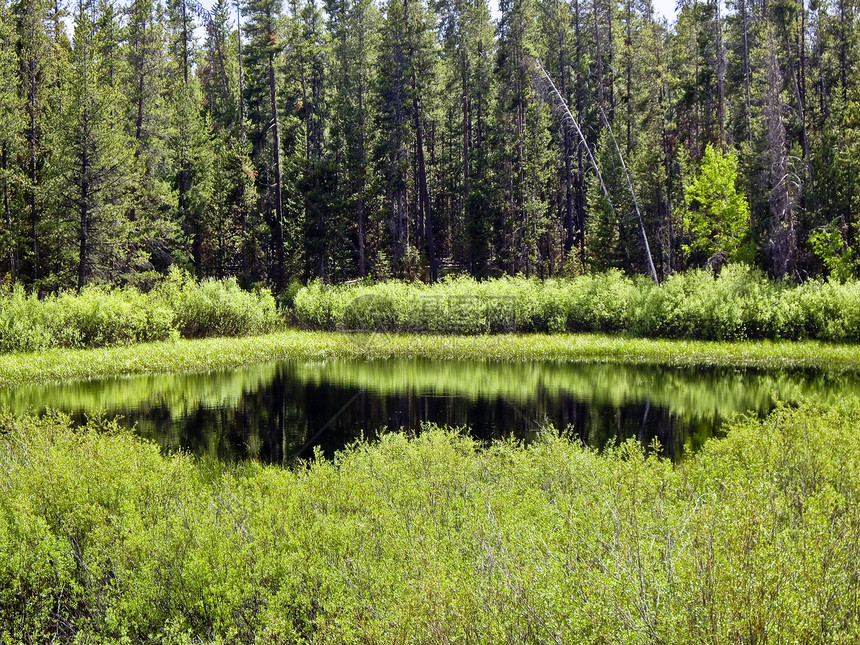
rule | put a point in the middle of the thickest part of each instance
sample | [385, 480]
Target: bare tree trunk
[580, 167]
[84, 205]
[569, 115]
[568, 163]
[277, 222]
[635, 203]
[7, 210]
[746, 65]
[721, 74]
[362, 207]
[242, 135]
[784, 183]
[423, 194]
[33, 136]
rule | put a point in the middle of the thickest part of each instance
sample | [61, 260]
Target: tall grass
[738, 304]
[222, 353]
[99, 316]
[756, 538]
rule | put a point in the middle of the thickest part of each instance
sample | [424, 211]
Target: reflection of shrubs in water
[100, 316]
[739, 303]
[104, 538]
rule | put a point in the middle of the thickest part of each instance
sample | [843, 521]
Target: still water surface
[277, 411]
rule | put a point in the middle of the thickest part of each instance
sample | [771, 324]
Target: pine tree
[521, 145]
[10, 139]
[468, 43]
[231, 243]
[405, 83]
[191, 145]
[153, 206]
[261, 89]
[353, 26]
[37, 71]
[94, 167]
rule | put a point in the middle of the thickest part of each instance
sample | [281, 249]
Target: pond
[278, 411]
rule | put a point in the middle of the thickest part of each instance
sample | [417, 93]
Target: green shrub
[755, 538]
[216, 307]
[101, 316]
[738, 304]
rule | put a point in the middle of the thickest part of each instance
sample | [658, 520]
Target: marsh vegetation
[752, 539]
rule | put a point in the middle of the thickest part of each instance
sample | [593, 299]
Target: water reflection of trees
[272, 412]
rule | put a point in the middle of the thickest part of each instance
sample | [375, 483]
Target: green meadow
[217, 353]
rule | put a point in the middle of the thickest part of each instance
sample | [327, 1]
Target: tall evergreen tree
[38, 65]
[10, 139]
[261, 88]
[191, 145]
[354, 27]
[405, 83]
[95, 164]
[468, 44]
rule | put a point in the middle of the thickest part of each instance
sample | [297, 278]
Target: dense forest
[416, 138]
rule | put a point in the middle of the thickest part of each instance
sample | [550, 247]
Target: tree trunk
[242, 135]
[424, 196]
[277, 222]
[746, 65]
[84, 204]
[721, 75]
[185, 42]
[32, 137]
[568, 172]
[7, 210]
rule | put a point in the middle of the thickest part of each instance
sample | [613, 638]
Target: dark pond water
[278, 411]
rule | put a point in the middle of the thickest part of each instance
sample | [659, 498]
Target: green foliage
[95, 317]
[753, 539]
[217, 307]
[739, 303]
[185, 355]
[717, 215]
[830, 248]
[98, 316]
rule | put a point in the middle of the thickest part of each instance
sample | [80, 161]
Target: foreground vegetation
[739, 303]
[756, 538]
[218, 353]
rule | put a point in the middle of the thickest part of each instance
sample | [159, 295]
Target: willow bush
[755, 538]
[738, 304]
[99, 316]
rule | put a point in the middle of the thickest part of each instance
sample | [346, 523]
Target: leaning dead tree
[568, 115]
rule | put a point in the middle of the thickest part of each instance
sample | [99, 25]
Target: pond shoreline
[222, 353]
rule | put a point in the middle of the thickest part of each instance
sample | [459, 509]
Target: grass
[755, 539]
[219, 353]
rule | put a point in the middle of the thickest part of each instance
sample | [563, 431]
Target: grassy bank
[738, 304]
[754, 539]
[219, 353]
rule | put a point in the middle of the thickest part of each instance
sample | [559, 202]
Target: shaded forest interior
[416, 138]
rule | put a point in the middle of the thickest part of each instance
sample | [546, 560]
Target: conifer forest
[279, 142]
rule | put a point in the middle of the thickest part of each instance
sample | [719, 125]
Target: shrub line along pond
[220, 353]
